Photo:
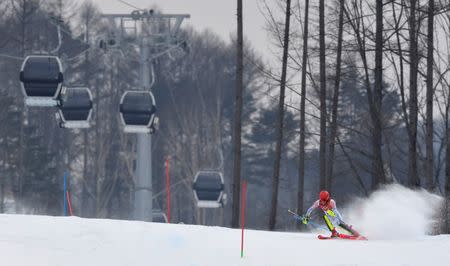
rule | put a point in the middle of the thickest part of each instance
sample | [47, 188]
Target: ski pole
[300, 218]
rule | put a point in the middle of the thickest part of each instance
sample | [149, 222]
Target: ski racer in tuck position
[331, 216]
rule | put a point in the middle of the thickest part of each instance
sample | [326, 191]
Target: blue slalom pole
[65, 189]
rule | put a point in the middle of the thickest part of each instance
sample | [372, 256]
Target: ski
[322, 237]
[342, 236]
[350, 237]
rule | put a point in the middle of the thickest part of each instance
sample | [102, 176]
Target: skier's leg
[329, 224]
[348, 228]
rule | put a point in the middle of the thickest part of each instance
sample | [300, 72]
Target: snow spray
[394, 212]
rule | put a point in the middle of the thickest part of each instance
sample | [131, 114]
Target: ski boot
[334, 234]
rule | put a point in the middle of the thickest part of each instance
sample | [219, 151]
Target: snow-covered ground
[49, 241]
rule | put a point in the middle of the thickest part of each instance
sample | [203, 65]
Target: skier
[331, 215]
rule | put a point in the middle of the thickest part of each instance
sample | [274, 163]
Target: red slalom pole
[69, 203]
[244, 193]
[168, 190]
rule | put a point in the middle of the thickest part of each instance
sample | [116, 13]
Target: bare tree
[446, 139]
[400, 72]
[429, 98]
[238, 119]
[337, 80]
[279, 128]
[446, 116]
[323, 105]
[377, 162]
[23, 10]
[301, 165]
[413, 106]
[87, 13]
[357, 24]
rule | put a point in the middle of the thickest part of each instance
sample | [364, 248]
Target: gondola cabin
[75, 107]
[137, 111]
[41, 80]
[208, 189]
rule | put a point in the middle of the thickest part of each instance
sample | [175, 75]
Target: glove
[305, 219]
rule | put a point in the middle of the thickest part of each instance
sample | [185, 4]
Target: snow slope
[395, 219]
[50, 241]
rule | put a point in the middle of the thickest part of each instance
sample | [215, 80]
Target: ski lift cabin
[41, 80]
[75, 107]
[208, 189]
[137, 109]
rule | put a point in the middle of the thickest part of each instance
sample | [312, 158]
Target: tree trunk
[323, 105]
[429, 97]
[276, 169]
[84, 192]
[447, 151]
[413, 107]
[377, 161]
[238, 120]
[96, 179]
[401, 74]
[21, 164]
[2, 195]
[301, 165]
[337, 80]
[447, 160]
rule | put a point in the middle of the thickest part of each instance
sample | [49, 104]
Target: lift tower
[155, 35]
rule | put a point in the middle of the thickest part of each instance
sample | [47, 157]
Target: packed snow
[401, 214]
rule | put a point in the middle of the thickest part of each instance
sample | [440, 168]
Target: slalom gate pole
[244, 193]
[69, 203]
[65, 189]
[168, 190]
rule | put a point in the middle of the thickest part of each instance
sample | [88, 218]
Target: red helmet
[324, 196]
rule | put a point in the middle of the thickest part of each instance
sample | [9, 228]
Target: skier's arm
[338, 214]
[335, 210]
[312, 208]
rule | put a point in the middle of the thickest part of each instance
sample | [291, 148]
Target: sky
[217, 15]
